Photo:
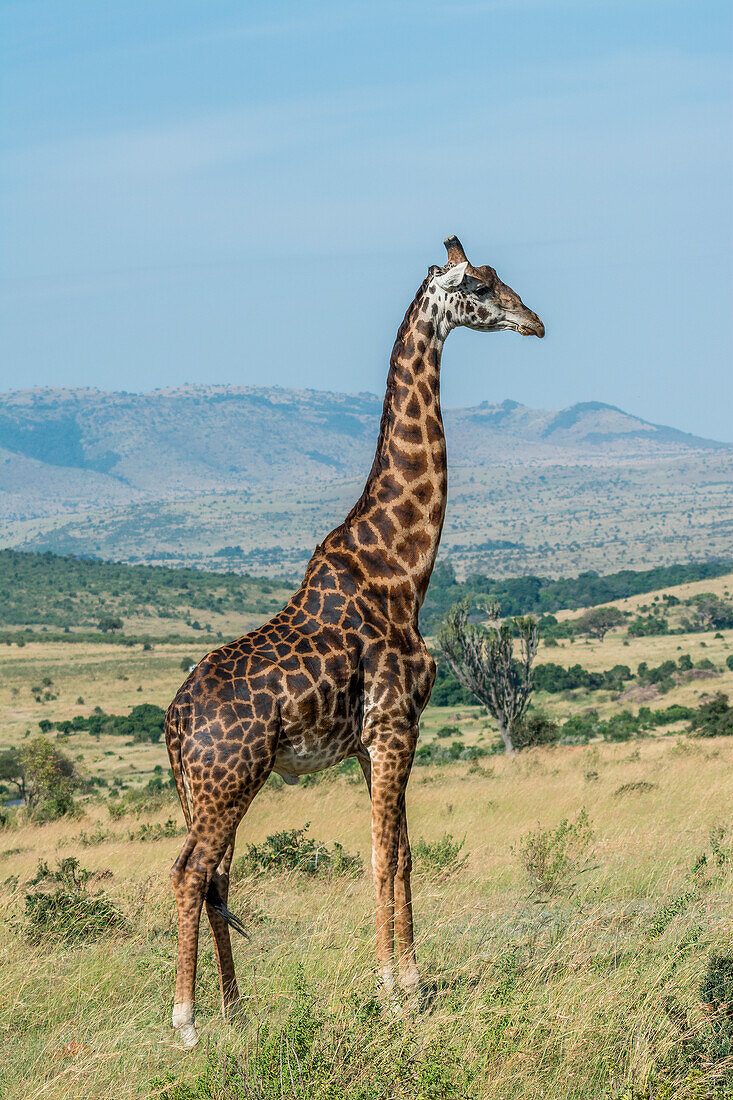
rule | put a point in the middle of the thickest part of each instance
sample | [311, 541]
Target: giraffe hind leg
[191, 875]
[201, 873]
[220, 919]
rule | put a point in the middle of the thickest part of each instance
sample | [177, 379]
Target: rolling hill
[252, 477]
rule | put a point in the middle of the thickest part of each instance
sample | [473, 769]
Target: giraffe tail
[215, 901]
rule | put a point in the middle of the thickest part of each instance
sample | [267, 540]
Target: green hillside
[81, 597]
[73, 598]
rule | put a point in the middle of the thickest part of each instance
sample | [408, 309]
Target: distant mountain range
[62, 448]
[80, 453]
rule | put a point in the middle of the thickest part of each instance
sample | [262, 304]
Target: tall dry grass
[575, 994]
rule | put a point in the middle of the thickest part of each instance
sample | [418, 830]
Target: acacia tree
[598, 621]
[483, 661]
[713, 613]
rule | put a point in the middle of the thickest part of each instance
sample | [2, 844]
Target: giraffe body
[342, 671]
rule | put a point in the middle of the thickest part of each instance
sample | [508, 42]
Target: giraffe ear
[453, 277]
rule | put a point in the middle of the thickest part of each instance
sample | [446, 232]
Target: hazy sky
[250, 193]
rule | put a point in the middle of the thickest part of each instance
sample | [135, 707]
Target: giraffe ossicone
[342, 671]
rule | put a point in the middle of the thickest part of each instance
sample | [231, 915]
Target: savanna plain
[574, 904]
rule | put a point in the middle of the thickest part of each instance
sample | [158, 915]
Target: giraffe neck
[403, 503]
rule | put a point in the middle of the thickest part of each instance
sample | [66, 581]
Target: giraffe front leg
[391, 758]
[404, 932]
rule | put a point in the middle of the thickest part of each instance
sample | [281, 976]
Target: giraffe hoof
[410, 982]
[388, 996]
[183, 1023]
[189, 1036]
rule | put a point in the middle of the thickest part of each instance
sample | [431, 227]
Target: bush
[535, 728]
[292, 850]
[145, 722]
[714, 718]
[438, 857]
[666, 715]
[153, 796]
[49, 779]
[716, 993]
[554, 678]
[448, 731]
[158, 831]
[623, 726]
[711, 612]
[641, 786]
[59, 905]
[433, 753]
[552, 857]
[647, 626]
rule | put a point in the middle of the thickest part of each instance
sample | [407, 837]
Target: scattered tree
[49, 775]
[597, 622]
[483, 661]
[109, 622]
[712, 612]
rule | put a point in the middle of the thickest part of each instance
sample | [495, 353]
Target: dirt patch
[643, 693]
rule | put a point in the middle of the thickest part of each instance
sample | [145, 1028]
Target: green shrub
[138, 800]
[145, 722]
[647, 626]
[714, 718]
[292, 850]
[438, 857]
[552, 857]
[535, 728]
[716, 993]
[92, 840]
[60, 905]
[448, 731]
[49, 778]
[158, 831]
[433, 753]
[641, 786]
[671, 909]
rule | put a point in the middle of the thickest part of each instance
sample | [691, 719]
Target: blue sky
[250, 193]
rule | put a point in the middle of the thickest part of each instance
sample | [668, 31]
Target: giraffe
[342, 671]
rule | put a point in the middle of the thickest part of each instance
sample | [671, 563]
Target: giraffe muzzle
[531, 325]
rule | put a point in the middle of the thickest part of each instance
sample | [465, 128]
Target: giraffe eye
[482, 291]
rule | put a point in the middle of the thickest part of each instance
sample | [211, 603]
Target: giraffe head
[477, 298]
